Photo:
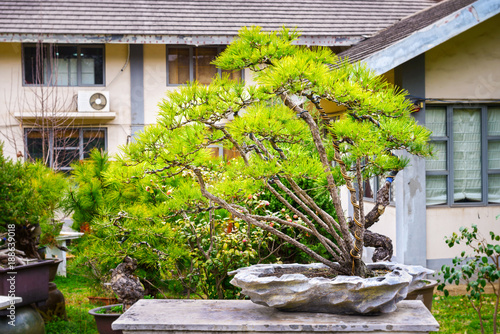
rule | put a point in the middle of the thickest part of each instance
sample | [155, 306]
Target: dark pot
[425, 294]
[104, 321]
[27, 321]
[53, 269]
[30, 282]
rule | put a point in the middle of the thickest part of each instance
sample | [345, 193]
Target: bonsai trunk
[27, 240]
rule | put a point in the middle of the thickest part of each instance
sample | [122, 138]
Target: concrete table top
[5, 301]
[243, 316]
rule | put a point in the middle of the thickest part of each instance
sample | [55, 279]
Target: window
[194, 63]
[466, 168]
[58, 148]
[63, 65]
[371, 186]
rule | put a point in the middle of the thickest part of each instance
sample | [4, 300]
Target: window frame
[52, 147]
[450, 170]
[191, 48]
[49, 47]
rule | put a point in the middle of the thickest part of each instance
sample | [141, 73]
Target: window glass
[494, 121]
[178, 66]
[467, 155]
[435, 120]
[93, 139]
[494, 154]
[35, 145]
[65, 146]
[438, 161]
[494, 188]
[436, 189]
[234, 75]
[204, 70]
[30, 56]
[63, 65]
[92, 66]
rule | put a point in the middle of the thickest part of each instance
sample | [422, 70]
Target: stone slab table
[149, 316]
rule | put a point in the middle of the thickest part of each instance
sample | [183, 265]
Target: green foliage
[477, 269]
[277, 129]
[30, 193]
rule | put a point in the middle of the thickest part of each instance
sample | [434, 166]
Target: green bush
[30, 193]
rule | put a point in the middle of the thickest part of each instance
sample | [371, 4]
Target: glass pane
[438, 162]
[233, 75]
[494, 154]
[93, 139]
[369, 188]
[65, 157]
[67, 139]
[178, 66]
[64, 65]
[32, 62]
[92, 60]
[204, 71]
[436, 189]
[494, 121]
[435, 120]
[494, 188]
[467, 155]
[37, 145]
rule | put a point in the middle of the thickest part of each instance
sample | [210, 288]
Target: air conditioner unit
[93, 101]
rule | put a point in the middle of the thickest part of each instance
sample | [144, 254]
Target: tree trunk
[382, 244]
[26, 240]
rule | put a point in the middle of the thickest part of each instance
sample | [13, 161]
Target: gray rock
[340, 295]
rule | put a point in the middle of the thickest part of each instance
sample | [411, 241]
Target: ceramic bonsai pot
[104, 320]
[31, 282]
[425, 293]
[339, 295]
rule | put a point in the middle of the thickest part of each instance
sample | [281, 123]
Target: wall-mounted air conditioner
[93, 101]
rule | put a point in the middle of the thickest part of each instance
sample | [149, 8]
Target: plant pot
[339, 295]
[30, 282]
[103, 300]
[104, 321]
[425, 293]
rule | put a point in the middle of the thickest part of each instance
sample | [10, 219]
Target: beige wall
[24, 100]
[442, 222]
[467, 66]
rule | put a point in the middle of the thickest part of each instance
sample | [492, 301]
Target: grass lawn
[456, 316]
[454, 313]
[75, 290]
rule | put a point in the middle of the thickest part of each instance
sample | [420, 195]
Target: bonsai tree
[283, 135]
[30, 193]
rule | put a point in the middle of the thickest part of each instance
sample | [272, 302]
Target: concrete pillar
[136, 87]
[411, 224]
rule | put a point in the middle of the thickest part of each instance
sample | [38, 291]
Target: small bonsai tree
[30, 193]
[282, 135]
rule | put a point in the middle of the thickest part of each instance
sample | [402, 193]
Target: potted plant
[105, 315]
[283, 135]
[127, 287]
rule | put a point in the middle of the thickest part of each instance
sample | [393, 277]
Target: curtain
[467, 155]
[494, 155]
[436, 188]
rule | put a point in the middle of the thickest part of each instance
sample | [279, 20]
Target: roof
[319, 18]
[420, 32]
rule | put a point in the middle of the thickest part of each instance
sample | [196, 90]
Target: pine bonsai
[282, 134]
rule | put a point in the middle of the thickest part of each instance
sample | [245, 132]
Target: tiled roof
[403, 29]
[203, 17]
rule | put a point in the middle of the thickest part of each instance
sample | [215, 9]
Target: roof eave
[432, 35]
[163, 39]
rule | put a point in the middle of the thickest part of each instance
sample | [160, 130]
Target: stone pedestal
[242, 316]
